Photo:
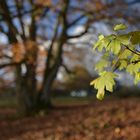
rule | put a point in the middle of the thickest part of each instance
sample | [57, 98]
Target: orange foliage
[44, 2]
[18, 52]
[99, 5]
[31, 51]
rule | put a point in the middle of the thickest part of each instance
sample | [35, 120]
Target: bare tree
[27, 24]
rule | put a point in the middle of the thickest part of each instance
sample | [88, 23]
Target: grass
[11, 102]
[8, 105]
[8, 102]
[71, 101]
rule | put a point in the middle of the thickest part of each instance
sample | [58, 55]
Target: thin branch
[2, 30]
[6, 15]
[132, 50]
[79, 35]
[18, 7]
[76, 20]
[115, 65]
[6, 56]
[10, 64]
[52, 44]
[49, 57]
[136, 61]
[26, 12]
[66, 69]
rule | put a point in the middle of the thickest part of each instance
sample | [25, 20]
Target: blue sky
[48, 31]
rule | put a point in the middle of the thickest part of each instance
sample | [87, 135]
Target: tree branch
[82, 33]
[137, 53]
[6, 15]
[66, 69]
[10, 64]
[19, 9]
[78, 35]
[6, 56]
[76, 20]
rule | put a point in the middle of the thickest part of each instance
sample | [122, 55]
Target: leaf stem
[137, 53]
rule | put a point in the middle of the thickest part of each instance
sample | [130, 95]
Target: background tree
[121, 52]
[26, 25]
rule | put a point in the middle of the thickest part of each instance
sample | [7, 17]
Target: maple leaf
[105, 81]
[120, 27]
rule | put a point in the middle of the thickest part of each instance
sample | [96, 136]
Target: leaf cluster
[120, 52]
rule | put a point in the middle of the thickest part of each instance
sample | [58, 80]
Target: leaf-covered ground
[111, 119]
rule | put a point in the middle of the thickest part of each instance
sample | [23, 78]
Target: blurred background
[47, 63]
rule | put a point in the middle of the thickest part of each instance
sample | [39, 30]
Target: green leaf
[119, 52]
[133, 68]
[114, 46]
[100, 44]
[137, 78]
[135, 37]
[101, 37]
[103, 42]
[100, 94]
[134, 58]
[105, 81]
[101, 65]
[124, 39]
[125, 54]
[120, 27]
[123, 64]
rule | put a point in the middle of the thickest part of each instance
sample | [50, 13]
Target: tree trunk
[26, 80]
[24, 94]
[44, 98]
[50, 75]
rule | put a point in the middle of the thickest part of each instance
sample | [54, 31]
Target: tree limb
[82, 33]
[66, 69]
[19, 9]
[78, 35]
[76, 20]
[135, 52]
[10, 64]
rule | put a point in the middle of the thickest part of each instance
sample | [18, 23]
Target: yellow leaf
[120, 27]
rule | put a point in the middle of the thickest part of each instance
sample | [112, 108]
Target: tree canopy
[27, 25]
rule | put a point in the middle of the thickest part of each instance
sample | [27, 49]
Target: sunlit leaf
[135, 58]
[137, 78]
[124, 39]
[123, 64]
[125, 54]
[133, 68]
[121, 52]
[100, 94]
[120, 27]
[104, 82]
[114, 46]
[135, 37]
[101, 65]
[101, 37]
